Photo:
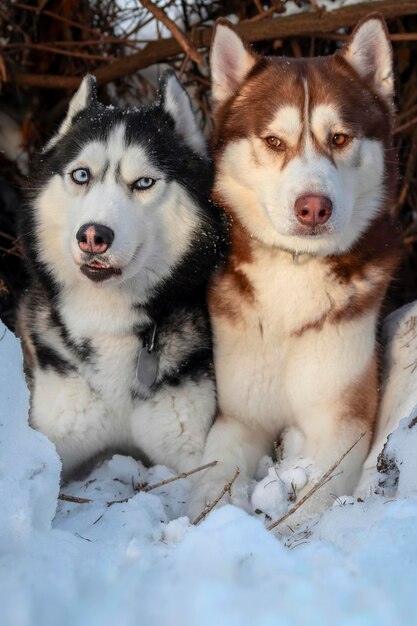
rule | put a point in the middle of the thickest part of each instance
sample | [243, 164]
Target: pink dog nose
[313, 209]
[94, 238]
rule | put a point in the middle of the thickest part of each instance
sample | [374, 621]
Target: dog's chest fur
[295, 330]
[100, 338]
[289, 292]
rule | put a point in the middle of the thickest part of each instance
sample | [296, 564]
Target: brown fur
[275, 81]
[232, 287]
[361, 397]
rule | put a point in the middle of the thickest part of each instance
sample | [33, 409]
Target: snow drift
[140, 561]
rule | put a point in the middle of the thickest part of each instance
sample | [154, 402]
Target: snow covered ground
[141, 562]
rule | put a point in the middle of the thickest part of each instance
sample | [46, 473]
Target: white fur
[263, 193]
[370, 54]
[230, 62]
[82, 416]
[177, 103]
[151, 216]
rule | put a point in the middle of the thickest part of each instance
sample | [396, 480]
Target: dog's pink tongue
[98, 265]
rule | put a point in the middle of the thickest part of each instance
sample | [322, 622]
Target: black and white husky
[121, 241]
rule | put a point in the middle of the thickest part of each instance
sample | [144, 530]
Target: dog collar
[148, 361]
[299, 258]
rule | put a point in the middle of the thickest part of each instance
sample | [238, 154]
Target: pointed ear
[369, 52]
[230, 61]
[85, 95]
[176, 102]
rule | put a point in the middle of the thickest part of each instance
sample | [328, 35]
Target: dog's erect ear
[230, 61]
[369, 52]
[85, 95]
[176, 102]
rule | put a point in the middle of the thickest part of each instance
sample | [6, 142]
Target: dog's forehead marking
[325, 118]
[93, 154]
[287, 122]
[98, 154]
[116, 143]
[135, 162]
[114, 158]
[130, 161]
[321, 118]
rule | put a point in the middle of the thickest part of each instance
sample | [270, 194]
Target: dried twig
[57, 50]
[56, 16]
[406, 125]
[404, 114]
[315, 487]
[412, 423]
[190, 50]
[63, 496]
[408, 176]
[276, 8]
[162, 483]
[275, 28]
[139, 487]
[226, 489]
[342, 37]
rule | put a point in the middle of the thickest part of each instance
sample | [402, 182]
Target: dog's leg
[330, 426]
[337, 436]
[233, 444]
[71, 415]
[172, 427]
[332, 388]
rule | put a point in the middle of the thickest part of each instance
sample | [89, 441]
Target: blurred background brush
[46, 47]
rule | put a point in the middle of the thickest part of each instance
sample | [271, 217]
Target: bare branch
[275, 28]
[162, 483]
[181, 38]
[63, 496]
[315, 487]
[137, 488]
[226, 489]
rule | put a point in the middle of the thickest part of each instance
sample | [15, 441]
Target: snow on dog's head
[118, 193]
[302, 144]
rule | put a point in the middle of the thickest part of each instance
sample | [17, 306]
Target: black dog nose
[94, 238]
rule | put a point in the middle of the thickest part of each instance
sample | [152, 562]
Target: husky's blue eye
[81, 176]
[143, 183]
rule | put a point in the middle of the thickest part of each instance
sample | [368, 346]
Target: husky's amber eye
[340, 139]
[274, 142]
[81, 176]
[143, 183]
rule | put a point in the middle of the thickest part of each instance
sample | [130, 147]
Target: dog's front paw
[284, 485]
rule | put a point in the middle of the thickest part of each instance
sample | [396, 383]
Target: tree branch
[274, 28]
[315, 487]
[226, 489]
[180, 37]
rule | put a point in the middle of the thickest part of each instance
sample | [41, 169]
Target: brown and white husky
[306, 173]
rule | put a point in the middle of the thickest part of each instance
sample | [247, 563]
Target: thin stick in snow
[315, 487]
[173, 478]
[63, 496]
[76, 500]
[226, 489]
[147, 488]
